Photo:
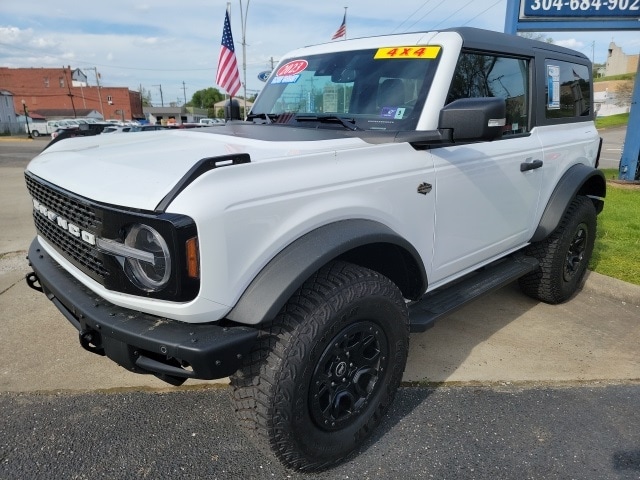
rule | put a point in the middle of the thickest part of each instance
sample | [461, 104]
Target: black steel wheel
[564, 255]
[325, 372]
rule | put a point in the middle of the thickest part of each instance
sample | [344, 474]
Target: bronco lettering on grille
[63, 223]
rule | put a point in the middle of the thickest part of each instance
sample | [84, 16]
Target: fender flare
[288, 270]
[580, 179]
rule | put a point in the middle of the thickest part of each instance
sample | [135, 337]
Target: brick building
[64, 89]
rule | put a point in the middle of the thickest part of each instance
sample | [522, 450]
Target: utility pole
[141, 103]
[95, 70]
[26, 118]
[161, 98]
[75, 115]
[184, 92]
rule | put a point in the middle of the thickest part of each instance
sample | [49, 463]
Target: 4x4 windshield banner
[429, 52]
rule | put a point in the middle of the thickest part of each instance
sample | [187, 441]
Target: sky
[173, 45]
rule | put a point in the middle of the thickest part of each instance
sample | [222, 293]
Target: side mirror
[472, 119]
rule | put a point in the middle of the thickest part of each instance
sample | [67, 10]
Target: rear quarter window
[568, 92]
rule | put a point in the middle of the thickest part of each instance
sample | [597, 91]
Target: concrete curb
[598, 284]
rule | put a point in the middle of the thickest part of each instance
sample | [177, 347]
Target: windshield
[377, 89]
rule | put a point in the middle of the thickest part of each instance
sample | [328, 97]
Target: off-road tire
[563, 256]
[324, 373]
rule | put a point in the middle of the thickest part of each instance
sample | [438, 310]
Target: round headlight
[148, 274]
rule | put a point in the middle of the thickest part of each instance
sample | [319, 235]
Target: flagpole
[345, 22]
[228, 74]
[230, 108]
[243, 21]
[342, 29]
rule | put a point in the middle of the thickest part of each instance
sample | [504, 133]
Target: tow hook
[90, 339]
[33, 281]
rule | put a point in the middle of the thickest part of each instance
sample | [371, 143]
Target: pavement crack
[2, 292]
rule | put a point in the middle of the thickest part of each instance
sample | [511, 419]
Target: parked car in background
[187, 125]
[52, 127]
[212, 121]
[132, 128]
[38, 129]
[117, 129]
[147, 128]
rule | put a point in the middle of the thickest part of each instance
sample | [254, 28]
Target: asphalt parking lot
[505, 388]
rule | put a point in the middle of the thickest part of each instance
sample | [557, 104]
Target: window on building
[46, 82]
[61, 81]
[480, 75]
[109, 99]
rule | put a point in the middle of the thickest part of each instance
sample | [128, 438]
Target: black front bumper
[142, 343]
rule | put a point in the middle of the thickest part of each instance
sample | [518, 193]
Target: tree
[624, 92]
[145, 96]
[206, 98]
[536, 36]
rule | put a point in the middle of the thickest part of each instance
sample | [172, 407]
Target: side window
[484, 75]
[567, 90]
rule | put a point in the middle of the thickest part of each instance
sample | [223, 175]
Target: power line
[422, 17]
[445, 19]
[485, 11]
[407, 19]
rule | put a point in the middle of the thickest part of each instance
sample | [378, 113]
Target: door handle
[530, 165]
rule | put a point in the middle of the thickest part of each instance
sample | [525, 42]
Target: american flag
[228, 75]
[342, 30]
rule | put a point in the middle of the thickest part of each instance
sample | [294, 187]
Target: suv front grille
[81, 253]
[89, 220]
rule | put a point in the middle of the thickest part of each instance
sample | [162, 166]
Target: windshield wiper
[349, 123]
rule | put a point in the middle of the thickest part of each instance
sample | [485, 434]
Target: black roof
[508, 43]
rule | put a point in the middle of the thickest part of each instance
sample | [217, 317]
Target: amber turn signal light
[193, 263]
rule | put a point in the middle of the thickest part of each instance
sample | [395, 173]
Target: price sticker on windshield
[426, 52]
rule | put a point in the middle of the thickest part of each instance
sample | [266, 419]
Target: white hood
[139, 169]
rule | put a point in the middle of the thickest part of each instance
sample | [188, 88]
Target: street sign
[585, 9]
[571, 15]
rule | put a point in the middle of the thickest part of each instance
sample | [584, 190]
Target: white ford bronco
[376, 185]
